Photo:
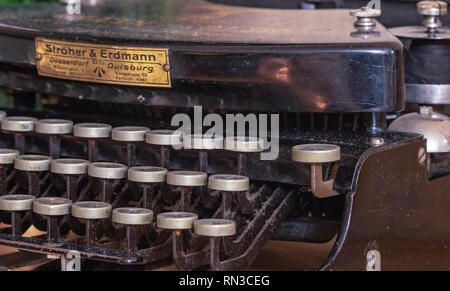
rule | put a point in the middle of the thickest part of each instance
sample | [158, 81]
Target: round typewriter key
[316, 153]
[228, 183]
[52, 206]
[91, 210]
[176, 220]
[92, 130]
[105, 170]
[215, 227]
[129, 133]
[69, 166]
[19, 123]
[187, 178]
[54, 126]
[2, 115]
[16, 202]
[244, 144]
[164, 137]
[7, 156]
[32, 163]
[147, 174]
[132, 216]
[202, 142]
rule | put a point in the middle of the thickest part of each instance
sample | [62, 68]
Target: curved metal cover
[222, 57]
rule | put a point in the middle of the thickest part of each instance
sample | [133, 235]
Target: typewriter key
[52, 208]
[147, 174]
[7, 156]
[92, 130]
[132, 216]
[19, 123]
[32, 163]
[187, 178]
[91, 210]
[202, 143]
[105, 170]
[54, 126]
[228, 183]
[176, 220]
[16, 204]
[69, 166]
[2, 115]
[317, 155]
[129, 133]
[164, 139]
[215, 227]
[243, 145]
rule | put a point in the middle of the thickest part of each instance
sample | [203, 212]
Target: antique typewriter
[96, 172]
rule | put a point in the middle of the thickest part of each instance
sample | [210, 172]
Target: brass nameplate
[120, 65]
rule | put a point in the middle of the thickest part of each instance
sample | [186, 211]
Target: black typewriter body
[328, 82]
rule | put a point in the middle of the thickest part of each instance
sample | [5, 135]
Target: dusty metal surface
[181, 21]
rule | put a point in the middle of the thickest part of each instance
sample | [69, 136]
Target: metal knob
[214, 227]
[164, 137]
[16, 202]
[7, 156]
[19, 123]
[92, 130]
[32, 163]
[203, 142]
[147, 174]
[69, 166]
[244, 144]
[431, 10]
[176, 220]
[54, 126]
[187, 178]
[91, 210]
[228, 183]
[129, 133]
[132, 216]
[105, 170]
[365, 18]
[52, 206]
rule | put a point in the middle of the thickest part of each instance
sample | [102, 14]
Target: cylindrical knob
[228, 183]
[202, 142]
[54, 126]
[244, 144]
[52, 206]
[365, 18]
[187, 178]
[16, 202]
[147, 174]
[164, 137]
[316, 153]
[105, 170]
[215, 227]
[19, 123]
[69, 166]
[7, 156]
[176, 220]
[91, 210]
[132, 216]
[129, 133]
[32, 163]
[431, 10]
[92, 130]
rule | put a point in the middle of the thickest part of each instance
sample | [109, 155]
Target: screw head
[140, 98]
[376, 141]
[166, 67]
[38, 56]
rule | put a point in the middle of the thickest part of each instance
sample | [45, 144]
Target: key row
[128, 216]
[160, 137]
[106, 170]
